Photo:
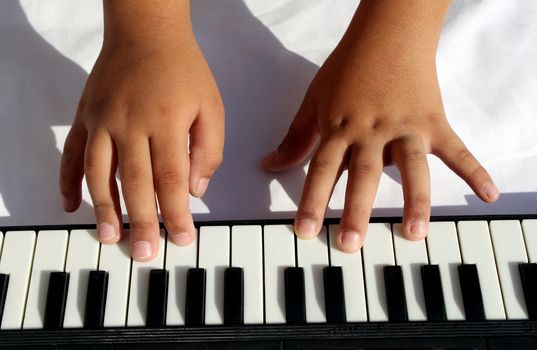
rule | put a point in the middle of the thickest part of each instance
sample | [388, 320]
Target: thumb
[206, 150]
[297, 144]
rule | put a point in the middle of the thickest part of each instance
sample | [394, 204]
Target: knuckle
[174, 220]
[463, 155]
[102, 207]
[415, 157]
[143, 226]
[134, 177]
[420, 202]
[168, 178]
[319, 164]
[360, 168]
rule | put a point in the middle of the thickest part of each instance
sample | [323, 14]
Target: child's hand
[149, 91]
[375, 101]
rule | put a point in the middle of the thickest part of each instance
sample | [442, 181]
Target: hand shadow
[39, 88]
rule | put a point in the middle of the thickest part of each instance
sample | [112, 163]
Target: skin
[148, 93]
[374, 102]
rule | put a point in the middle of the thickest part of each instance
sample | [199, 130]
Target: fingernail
[491, 191]
[305, 228]
[182, 238]
[350, 240]
[202, 185]
[269, 158]
[418, 229]
[66, 203]
[106, 232]
[141, 249]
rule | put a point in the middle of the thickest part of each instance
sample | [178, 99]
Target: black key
[96, 299]
[295, 295]
[432, 292]
[234, 296]
[4, 282]
[195, 297]
[334, 295]
[395, 293]
[528, 277]
[471, 293]
[157, 298]
[56, 297]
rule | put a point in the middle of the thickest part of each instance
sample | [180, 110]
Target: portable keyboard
[471, 284]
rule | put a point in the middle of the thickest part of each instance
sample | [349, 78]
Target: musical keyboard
[472, 283]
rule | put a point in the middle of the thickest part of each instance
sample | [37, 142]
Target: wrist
[400, 27]
[146, 24]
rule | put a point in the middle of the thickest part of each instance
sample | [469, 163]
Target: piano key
[353, 277]
[4, 283]
[16, 260]
[247, 252]
[528, 277]
[50, 250]
[195, 297]
[509, 251]
[139, 287]
[214, 258]
[312, 256]
[529, 226]
[476, 248]
[178, 260]
[279, 253]
[295, 297]
[334, 294]
[432, 292]
[443, 248]
[82, 257]
[410, 255]
[116, 260]
[55, 302]
[471, 292]
[157, 297]
[377, 252]
[97, 287]
[233, 296]
[395, 293]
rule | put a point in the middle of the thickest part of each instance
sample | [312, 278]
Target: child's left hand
[375, 101]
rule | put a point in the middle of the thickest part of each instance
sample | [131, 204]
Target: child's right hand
[150, 106]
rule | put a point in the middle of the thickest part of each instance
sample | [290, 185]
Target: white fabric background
[263, 55]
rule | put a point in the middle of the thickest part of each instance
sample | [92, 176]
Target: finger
[100, 168]
[364, 171]
[410, 157]
[72, 167]
[170, 173]
[458, 158]
[206, 149]
[322, 174]
[137, 184]
[297, 144]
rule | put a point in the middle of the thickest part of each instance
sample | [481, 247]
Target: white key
[178, 260]
[1, 241]
[279, 253]
[49, 256]
[82, 257]
[214, 258]
[116, 260]
[312, 256]
[411, 255]
[530, 236]
[476, 248]
[378, 252]
[17, 255]
[137, 313]
[353, 278]
[247, 252]
[510, 251]
[443, 246]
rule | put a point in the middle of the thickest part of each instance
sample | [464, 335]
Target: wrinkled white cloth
[263, 55]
